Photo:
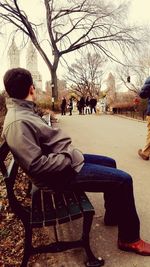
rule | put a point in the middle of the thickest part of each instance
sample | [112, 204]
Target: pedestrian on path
[93, 103]
[145, 93]
[82, 105]
[87, 105]
[63, 106]
[70, 106]
[47, 155]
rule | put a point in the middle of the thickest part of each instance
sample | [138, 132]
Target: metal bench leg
[92, 261]
[27, 245]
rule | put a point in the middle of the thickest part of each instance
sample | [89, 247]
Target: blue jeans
[99, 174]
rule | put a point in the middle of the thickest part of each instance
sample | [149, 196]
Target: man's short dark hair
[17, 82]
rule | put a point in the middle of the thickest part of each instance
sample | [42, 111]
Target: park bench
[48, 208]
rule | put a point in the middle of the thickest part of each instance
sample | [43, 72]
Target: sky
[139, 13]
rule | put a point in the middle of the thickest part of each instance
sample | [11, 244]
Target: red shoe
[139, 247]
[142, 155]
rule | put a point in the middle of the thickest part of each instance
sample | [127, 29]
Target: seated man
[47, 155]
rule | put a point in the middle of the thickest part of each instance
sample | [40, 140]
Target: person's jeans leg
[100, 160]
[111, 214]
[97, 178]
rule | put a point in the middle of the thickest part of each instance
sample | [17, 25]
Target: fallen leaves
[12, 230]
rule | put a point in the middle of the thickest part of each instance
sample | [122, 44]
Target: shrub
[47, 104]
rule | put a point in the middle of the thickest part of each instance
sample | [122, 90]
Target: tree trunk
[54, 85]
[52, 69]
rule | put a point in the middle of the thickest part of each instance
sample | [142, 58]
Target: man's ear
[31, 89]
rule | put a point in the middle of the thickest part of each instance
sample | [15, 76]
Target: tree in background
[134, 72]
[86, 74]
[69, 25]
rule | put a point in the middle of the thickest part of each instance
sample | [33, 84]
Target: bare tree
[72, 25]
[141, 67]
[86, 74]
[124, 73]
[133, 74]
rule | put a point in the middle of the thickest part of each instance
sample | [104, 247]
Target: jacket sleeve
[22, 138]
[145, 90]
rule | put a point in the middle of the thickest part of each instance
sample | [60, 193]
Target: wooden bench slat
[73, 205]
[46, 207]
[85, 203]
[62, 213]
[49, 210]
[37, 217]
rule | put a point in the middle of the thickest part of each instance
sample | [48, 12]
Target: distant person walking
[93, 103]
[63, 106]
[145, 93]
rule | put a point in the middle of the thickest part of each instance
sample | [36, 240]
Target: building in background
[32, 65]
[31, 62]
[13, 56]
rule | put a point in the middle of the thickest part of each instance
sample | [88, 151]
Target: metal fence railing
[136, 114]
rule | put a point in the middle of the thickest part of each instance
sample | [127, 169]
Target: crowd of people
[85, 105]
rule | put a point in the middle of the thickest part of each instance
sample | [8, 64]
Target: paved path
[119, 138]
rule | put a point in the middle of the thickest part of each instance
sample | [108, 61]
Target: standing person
[93, 103]
[87, 105]
[70, 105]
[47, 155]
[145, 93]
[82, 105]
[78, 106]
[63, 106]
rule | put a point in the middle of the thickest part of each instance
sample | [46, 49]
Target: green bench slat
[73, 205]
[85, 203]
[62, 213]
[37, 217]
[48, 207]
[49, 210]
